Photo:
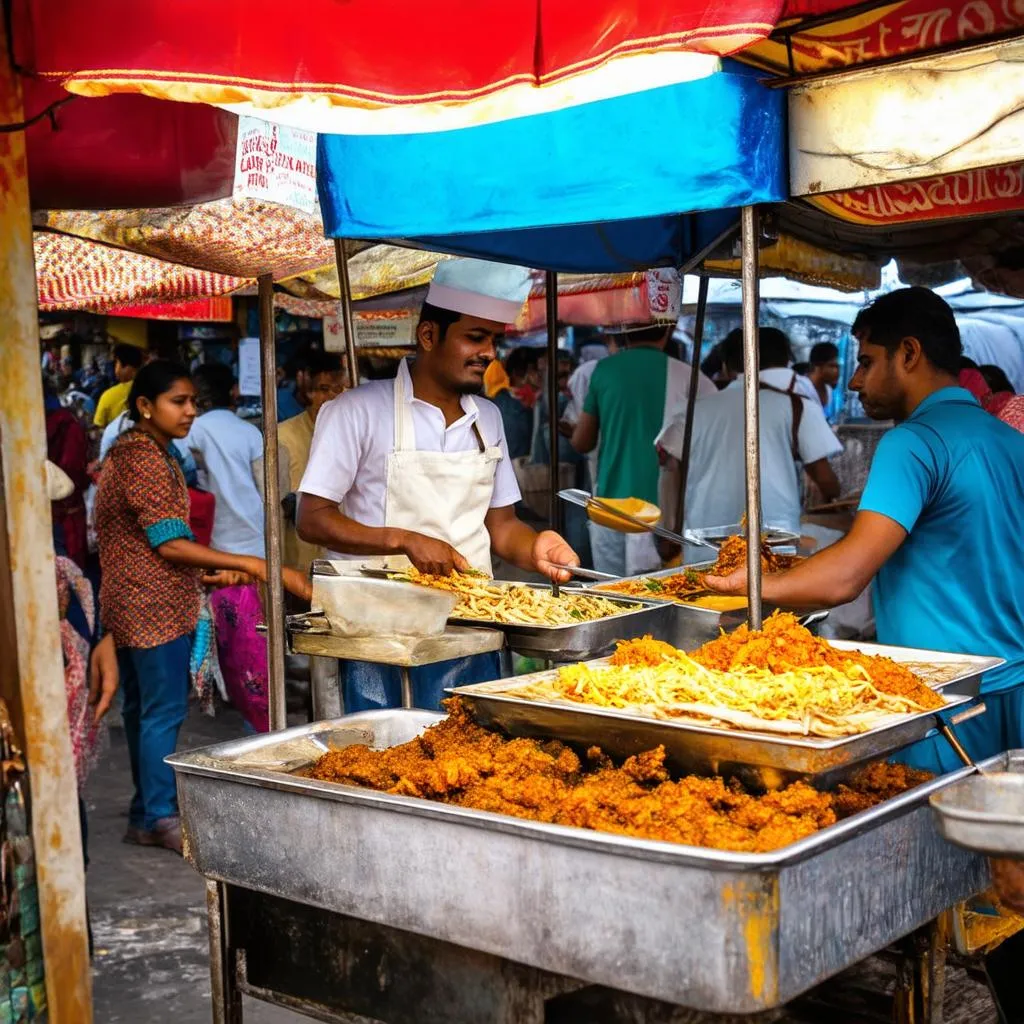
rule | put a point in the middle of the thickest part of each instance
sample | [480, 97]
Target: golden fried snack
[458, 762]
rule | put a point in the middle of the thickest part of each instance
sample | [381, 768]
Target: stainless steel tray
[689, 625]
[581, 640]
[759, 760]
[717, 931]
[985, 813]
[717, 534]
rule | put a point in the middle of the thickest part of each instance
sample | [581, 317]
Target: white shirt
[355, 434]
[782, 377]
[579, 385]
[716, 490]
[226, 448]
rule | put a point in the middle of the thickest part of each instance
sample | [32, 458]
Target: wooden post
[32, 600]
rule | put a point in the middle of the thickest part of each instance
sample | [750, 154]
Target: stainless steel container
[581, 640]
[762, 760]
[716, 931]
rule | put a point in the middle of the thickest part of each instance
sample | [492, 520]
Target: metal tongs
[946, 728]
[585, 499]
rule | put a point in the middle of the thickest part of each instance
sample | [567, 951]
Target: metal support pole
[407, 701]
[324, 682]
[551, 306]
[225, 999]
[345, 292]
[272, 508]
[751, 418]
[32, 670]
[691, 398]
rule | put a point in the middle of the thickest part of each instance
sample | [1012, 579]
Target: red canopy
[361, 53]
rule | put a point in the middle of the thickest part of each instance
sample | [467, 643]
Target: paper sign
[664, 294]
[276, 163]
[384, 328]
[249, 367]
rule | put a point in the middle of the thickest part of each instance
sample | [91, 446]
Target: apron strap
[405, 432]
[797, 402]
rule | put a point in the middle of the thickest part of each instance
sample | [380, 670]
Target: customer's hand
[297, 583]
[431, 555]
[226, 578]
[734, 583]
[103, 677]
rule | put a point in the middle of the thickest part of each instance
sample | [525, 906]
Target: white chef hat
[491, 291]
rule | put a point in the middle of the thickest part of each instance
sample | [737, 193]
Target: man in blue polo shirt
[940, 526]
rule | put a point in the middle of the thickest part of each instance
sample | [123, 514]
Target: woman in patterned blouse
[149, 596]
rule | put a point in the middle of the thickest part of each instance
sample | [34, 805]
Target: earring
[147, 415]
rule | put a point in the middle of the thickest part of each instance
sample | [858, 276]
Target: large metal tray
[689, 625]
[985, 813]
[760, 760]
[717, 534]
[717, 931]
[581, 640]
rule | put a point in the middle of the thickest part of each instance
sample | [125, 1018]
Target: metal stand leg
[406, 689]
[324, 683]
[921, 977]
[224, 994]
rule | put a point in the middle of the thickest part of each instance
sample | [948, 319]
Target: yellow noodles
[511, 604]
[818, 701]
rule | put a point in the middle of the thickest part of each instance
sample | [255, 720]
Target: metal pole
[345, 292]
[31, 667]
[751, 424]
[272, 507]
[551, 307]
[691, 398]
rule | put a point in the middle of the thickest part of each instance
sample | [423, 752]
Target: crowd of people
[158, 508]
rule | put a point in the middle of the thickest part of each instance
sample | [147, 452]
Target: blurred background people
[127, 361]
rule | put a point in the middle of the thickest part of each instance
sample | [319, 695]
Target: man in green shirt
[632, 395]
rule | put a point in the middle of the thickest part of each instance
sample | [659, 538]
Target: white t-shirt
[225, 447]
[355, 434]
[579, 385]
[716, 489]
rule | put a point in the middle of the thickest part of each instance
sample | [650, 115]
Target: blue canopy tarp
[642, 180]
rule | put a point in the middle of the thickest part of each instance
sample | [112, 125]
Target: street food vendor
[422, 467]
[940, 527]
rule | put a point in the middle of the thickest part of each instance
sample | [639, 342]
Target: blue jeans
[154, 686]
[366, 686]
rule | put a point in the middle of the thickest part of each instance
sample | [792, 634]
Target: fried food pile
[461, 763]
[731, 556]
[783, 645]
[482, 599]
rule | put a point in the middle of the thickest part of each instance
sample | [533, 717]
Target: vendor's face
[878, 382]
[459, 361]
[324, 387]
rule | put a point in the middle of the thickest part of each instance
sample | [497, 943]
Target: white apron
[441, 494]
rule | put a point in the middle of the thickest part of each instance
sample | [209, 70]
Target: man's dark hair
[318, 362]
[824, 352]
[913, 313]
[654, 333]
[444, 318]
[773, 349]
[520, 361]
[128, 355]
[995, 378]
[802, 369]
[153, 380]
[215, 382]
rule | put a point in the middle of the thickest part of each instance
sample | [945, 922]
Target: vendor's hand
[226, 578]
[432, 556]
[103, 677]
[297, 583]
[550, 547]
[734, 583]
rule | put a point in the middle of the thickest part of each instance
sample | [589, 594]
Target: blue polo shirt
[952, 476]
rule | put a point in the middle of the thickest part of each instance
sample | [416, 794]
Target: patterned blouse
[141, 503]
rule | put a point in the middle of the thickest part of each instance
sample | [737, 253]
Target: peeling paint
[40, 668]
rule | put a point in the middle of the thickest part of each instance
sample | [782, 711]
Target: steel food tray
[689, 625]
[716, 931]
[761, 760]
[717, 534]
[580, 640]
[985, 813]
